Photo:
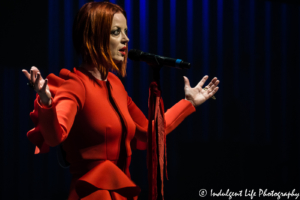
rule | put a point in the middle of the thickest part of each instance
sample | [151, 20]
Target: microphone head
[134, 54]
[185, 65]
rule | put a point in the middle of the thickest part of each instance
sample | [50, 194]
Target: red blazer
[86, 117]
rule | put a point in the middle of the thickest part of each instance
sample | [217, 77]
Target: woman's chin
[118, 61]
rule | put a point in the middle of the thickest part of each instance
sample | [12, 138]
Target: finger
[36, 83]
[25, 72]
[32, 76]
[212, 82]
[213, 92]
[45, 85]
[186, 82]
[213, 86]
[216, 82]
[203, 80]
[34, 69]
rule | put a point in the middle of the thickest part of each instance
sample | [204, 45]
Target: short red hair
[91, 35]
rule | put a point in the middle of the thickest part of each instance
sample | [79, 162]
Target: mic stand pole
[156, 143]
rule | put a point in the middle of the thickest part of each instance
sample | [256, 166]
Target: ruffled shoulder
[54, 82]
[34, 135]
[106, 176]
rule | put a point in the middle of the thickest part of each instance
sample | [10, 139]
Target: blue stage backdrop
[249, 138]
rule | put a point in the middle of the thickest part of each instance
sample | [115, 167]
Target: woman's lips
[122, 51]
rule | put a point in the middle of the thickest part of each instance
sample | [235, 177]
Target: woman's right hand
[39, 85]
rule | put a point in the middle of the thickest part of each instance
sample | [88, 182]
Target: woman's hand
[199, 95]
[39, 85]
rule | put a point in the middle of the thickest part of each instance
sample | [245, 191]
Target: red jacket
[85, 117]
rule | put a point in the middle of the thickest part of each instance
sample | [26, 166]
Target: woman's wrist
[45, 101]
[191, 102]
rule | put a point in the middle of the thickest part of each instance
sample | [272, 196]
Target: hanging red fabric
[156, 144]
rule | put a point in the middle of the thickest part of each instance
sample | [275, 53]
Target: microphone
[152, 59]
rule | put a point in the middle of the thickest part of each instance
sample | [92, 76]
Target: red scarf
[156, 144]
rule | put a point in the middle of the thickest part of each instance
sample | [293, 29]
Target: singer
[88, 111]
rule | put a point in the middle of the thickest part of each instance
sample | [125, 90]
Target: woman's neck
[93, 70]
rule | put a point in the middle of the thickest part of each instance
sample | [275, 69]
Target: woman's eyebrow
[119, 27]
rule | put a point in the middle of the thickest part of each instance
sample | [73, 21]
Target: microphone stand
[156, 143]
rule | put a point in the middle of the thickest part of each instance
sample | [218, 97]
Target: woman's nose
[125, 38]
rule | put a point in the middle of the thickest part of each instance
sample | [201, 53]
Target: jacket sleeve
[53, 124]
[173, 116]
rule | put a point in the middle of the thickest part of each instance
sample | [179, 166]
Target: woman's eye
[115, 32]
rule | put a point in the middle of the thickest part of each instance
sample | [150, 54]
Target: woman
[89, 111]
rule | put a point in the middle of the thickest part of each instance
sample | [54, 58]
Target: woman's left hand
[199, 95]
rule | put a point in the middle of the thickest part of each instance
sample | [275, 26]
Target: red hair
[91, 35]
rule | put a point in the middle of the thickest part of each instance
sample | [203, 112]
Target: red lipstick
[122, 51]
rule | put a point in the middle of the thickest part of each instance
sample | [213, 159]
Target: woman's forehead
[119, 20]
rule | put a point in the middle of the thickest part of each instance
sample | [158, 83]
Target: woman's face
[118, 38]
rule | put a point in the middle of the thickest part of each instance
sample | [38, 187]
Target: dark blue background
[247, 139]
